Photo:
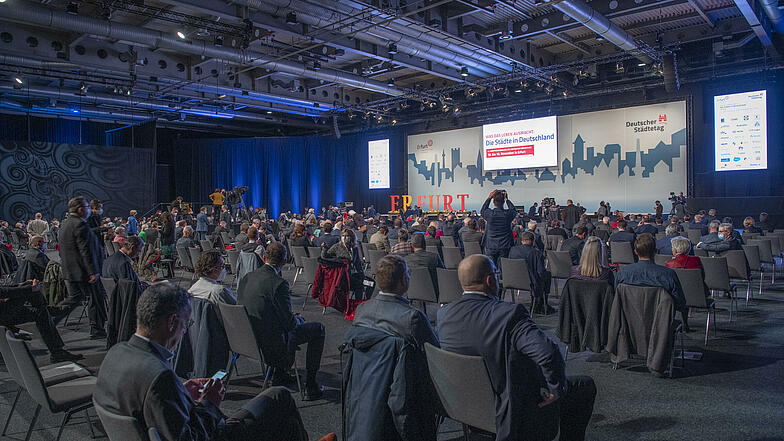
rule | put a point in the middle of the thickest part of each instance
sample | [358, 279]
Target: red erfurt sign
[428, 202]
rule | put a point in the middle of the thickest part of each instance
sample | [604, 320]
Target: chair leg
[307, 293]
[11, 412]
[707, 326]
[89, 422]
[566, 356]
[296, 274]
[32, 422]
[466, 433]
[267, 374]
[66, 417]
[299, 384]
[232, 366]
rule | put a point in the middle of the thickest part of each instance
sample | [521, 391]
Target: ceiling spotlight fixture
[599, 38]
[221, 96]
[182, 35]
[576, 80]
[539, 84]
[565, 93]
[316, 65]
[641, 64]
[18, 80]
[392, 49]
[128, 92]
[394, 121]
[218, 40]
[72, 8]
[463, 71]
[391, 82]
[291, 18]
[549, 89]
[519, 89]
[351, 115]
[619, 67]
[269, 112]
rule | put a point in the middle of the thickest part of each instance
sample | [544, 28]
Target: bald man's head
[477, 273]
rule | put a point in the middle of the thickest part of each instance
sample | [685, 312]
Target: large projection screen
[523, 144]
[378, 164]
[741, 131]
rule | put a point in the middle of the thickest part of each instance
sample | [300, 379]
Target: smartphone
[220, 375]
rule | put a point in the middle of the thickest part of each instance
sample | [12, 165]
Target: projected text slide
[378, 164]
[741, 131]
[520, 144]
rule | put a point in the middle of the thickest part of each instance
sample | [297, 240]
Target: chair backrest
[717, 274]
[699, 252]
[120, 427]
[621, 252]
[109, 247]
[236, 323]
[206, 244]
[560, 263]
[247, 262]
[298, 253]
[515, 273]
[604, 235]
[309, 268]
[314, 252]
[185, 258]
[452, 257]
[693, 286]
[420, 286]
[737, 265]
[432, 249]
[472, 248]
[116, 246]
[765, 250]
[463, 386]
[775, 244]
[373, 256]
[448, 241]
[109, 285]
[693, 235]
[8, 357]
[659, 235]
[449, 288]
[367, 247]
[750, 236]
[194, 253]
[662, 259]
[234, 258]
[226, 238]
[25, 362]
[553, 242]
[752, 257]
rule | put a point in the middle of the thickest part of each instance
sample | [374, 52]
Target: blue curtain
[287, 173]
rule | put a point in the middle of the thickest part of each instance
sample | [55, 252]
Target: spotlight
[316, 65]
[394, 121]
[565, 93]
[221, 96]
[128, 92]
[72, 8]
[291, 18]
[391, 82]
[218, 40]
[519, 89]
[456, 110]
[182, 35]
[539, 84]
[351, 116]
[392, 49]
[583, 74]
[641, 64]
[82, 86]
[619, 67]
[463, 71]
[269, 112]
[18, 80]
[549, 89]
[576, 80]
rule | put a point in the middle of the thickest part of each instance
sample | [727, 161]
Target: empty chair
[753, 259]
[247, 262]
[449, 288]
[234, 258]
[227, 239]
[194, 253]
[309, 268]
[699, 252]
[463, 387]
[120, 427]
[694, 290]
[420, 287]
[206, 244]
[366, 247]
[739, 269]
[314, 252]
[750, 236]
[662, 259]
[448, 241]
[584, 314]
[109, 247]
[717, 277]
[68, 397]
[472, 248]
[298, 253]
[242, 341]
[433, 249]
[373, 257]
[452, 257]
[560, 263]
[693, 235]
[621, 253]
[553, 242]
[766, 257]
[516, 277]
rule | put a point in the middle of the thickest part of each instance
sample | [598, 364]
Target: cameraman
[498, 237]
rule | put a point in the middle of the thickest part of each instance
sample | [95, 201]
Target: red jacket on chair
[684, 261]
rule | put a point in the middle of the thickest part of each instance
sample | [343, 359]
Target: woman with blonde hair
[593, 262]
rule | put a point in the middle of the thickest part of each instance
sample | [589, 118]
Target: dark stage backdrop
[288, 173]
[42, 176]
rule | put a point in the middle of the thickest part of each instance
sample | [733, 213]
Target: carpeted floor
[735, 392]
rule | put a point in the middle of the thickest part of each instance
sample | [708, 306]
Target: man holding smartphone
[136, 379]
[498, 238]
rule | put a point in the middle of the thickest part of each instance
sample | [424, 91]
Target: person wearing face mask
[533, 394]
[120, 265]
[726, 240]
[211, 269]
[345, 249]
[136, 379]
[81, 256]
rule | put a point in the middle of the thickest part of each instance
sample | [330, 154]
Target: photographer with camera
[498, 237]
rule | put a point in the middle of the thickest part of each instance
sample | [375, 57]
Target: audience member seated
[680, 249]
[574, 245]
[36, 258]
[713, 233]
[326, 238]
[242, 238]
[763, 224]
[605, 225]
[527, 370]
[664, 245]
[675, 220]
[540, 277]
[299, 237]
[25, 303]
[431, 237]
[136, 380]
[397, 225]
[698, 224]
[391, 313]
[211, 269]
[267, 297]
[531, 227]
[471, 234]
[726, 240]
[646, 227]
[421, 258]
[379, 239]
[593, 262]
[749, 227]
[186, 241]
[151, 234]
[403, 247]
[252, 245]
[646, 273]
[622, 235]
[120, 264]
[346, 249]
[555, 229]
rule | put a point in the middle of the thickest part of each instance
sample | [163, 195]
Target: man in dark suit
[80, 254]
[136, 379]
[646, 227]
[713, 233]
[571, 214]
[267, 297]
[120, 264]
[201, 224]
[36, 257]
[697, 224]
[326, 236]
[622, 235]
[540, 277]
[526, 367]
[471, 233]
[421, 258]
[498, 238]
[371, 211]
[574, 245]
[726, 240]
[664, 245]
